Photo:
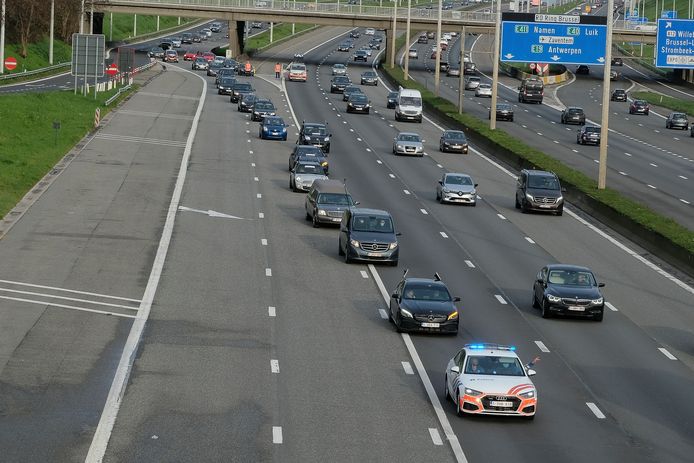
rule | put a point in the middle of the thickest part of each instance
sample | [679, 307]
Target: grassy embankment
[29, 144]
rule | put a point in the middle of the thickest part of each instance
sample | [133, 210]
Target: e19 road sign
[548, 38]
[674, 44]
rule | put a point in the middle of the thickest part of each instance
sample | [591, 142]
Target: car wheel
[348, 260]
[458, 411]
[598, 317]
[524, 206]
[545, 309]
[441, 148]
[560, 211]
[535, 304]
[397, 324]
[446, 394]
[517, 203]
[340, 252]
[308, 216]
[291, 185]
[315, 222]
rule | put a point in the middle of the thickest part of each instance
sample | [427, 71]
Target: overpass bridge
[332, 14]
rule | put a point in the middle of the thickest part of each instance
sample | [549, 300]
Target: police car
[490, 379]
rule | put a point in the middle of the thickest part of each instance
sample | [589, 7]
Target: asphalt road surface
[263, 345]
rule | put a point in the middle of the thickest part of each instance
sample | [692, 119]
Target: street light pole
[407, 41]
[82, 18]
[395, 27]
[50, 33]
[604, 131]
[461, 65]
[495, 69]
[437, 71]
[2, 38]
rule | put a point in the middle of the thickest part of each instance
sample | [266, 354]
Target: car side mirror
[424, 141]
[456, 299]
[531, 372]
[394, 295]
[601, 285]
[398, 234]
[476, 184]
[455, 369]
[356, 203]
[440, 182]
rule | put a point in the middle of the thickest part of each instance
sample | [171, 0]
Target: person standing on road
[278, 70]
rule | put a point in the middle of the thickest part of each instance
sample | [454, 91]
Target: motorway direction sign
[88, 52]
[674, 43]
[549, 38]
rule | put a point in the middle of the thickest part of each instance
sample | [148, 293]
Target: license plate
[430, 325]
[577, 309]
[373, 254]
[498, 403]
[337, 219]
[545, 205]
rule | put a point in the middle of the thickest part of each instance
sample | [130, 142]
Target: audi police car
[490, 379]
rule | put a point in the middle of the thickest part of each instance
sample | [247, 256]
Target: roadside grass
[279, 33]
[123, 25]
[37, 56]
[640, 213]
[563, 8]
[28, 144]
[665, 101]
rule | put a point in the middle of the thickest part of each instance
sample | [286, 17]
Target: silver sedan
[408, 143]
[456, 188]
[484, 90]
[339, 69]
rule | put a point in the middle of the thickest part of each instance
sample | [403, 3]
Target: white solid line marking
[683, 177]
[271, 311]
[500, 299]
[666, 353]
[259, 195]
[275, 366]
[501, 216]
[469, 264]
[268, 272]
[435, 436]
[391, 175]
[654, 165]
[408, 368]
[596, 411]
[406, 192]
[651, 186]
[73, 299]
[541, 346]
[261, 215]
[263, 241]
[383, 313]
[443, 234]
[529, 240]
[364, 274]
[102, 435]
[611, 307]
[277, 434]
[424, 211]
[431, 392]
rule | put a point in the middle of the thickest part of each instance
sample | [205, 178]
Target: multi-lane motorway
[261, 344]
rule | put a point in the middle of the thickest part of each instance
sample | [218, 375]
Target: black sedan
[246, 102]
[568, 290]
[262, 108]
[588, 134]
[423, 304]
[392, 100]
[350, 89]
[504, 112]
[308, 153]
[453, 140]
[358, 103]
[339, 83]
[619, 95]
[225, 85]
[369, 78]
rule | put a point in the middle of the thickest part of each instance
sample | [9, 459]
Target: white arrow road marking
[210, 213]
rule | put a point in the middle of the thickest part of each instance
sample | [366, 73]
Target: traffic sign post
[88, 52]
[549, 38]
[674, 44]
[112, 70]
[10, 63]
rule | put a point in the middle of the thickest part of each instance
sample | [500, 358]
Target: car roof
[369, 211]
[568, 267]
[457, 174]
[408, 133]
[489, 349]
[540, 173]
[329, 186]
[430, 281]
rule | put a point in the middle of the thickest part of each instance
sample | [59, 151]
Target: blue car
[273, 128]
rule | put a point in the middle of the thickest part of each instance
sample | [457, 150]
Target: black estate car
[568, 290]
[316, 134]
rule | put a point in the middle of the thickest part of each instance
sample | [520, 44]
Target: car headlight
[551, 298]
[366, 105]
[321, 212]
[447, 143]
[527, 394]
[445, 190]
[405, 313]
[393, 245]
[597, 301]
[265, 128]
[560, 198]
[453, 315]
[529, 196]
[307, 137]
[400, 147]
[326, 139]
[284, 129]
[472, 392]
[350, 105]
[297, 179]
[354, 243]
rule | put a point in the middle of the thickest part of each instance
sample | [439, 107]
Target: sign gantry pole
[495, 69]
[602, 169]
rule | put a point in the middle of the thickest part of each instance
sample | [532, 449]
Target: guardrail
[127, 87]
[34, 72]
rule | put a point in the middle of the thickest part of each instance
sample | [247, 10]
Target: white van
[408, 106]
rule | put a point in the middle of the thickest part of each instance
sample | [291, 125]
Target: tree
[21, 20]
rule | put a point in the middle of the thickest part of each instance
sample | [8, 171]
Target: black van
[368, 235]
[531, 90]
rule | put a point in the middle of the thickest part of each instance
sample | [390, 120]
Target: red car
[189, 56]
[209, 56]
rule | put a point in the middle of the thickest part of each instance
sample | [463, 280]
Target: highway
[261, 344]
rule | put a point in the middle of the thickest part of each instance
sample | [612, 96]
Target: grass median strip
[658, 99]
[279, 32]
[30, 144]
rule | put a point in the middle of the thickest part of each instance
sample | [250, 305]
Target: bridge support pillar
[234, 43]
[390, 47]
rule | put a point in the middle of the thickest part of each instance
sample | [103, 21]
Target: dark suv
[573, 115]
[316, 134]
[639, 107]
[589, 134]
[619, 95]
[368, 235]
[327, 201]
[538, 190]
[338, 84]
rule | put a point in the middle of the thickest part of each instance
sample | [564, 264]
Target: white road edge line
[435, 436]
[102, 435]
[431, 393]
[541, 346]
[666, 353]
[277, 435]
[596, 411]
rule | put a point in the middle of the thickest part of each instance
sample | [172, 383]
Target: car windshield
[215, 64]
[273, 121]
[571, 277]
[298, 67]
[493, 365]
[264, 106]
[410, 101]
[358, 98]
[245, 87]
[315, 130]
[458, 180]
[369, 74]
[426, 292]
[409, 137]
[679, 116]
[369, 223]
[592, 129]
[227, 81]
[392, 95]
[307, 150]
[619, 92]
[308, 169]
[352, 90]
[640, 103]
[341, 80]
[248, 98]
[485, 86]
[338, 66]
[455, 135]
[543, 181]
[338, 199]
[575, 111]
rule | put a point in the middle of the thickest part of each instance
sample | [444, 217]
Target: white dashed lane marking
[443, 234]
[596, 411]
[406, 192]
[383, 313]
[469, 264]
[407, 367]
[364, 274]
[435, 436]
[500, 299]
[611, 307]
[529, 240]
[424, 211]
[666, 353]
[261, 215]
[263, 241]
[277, 434]
[271, 311]
[501, 216]
[275, 366]
[268, 272]
[391, 175]
[541, 346]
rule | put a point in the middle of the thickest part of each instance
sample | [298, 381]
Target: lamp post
[2, 37]
[407, 41]
[461, 64]
[495, 70]
[437, 71]
[50, 33]
[82, 18]
[395, 27]
[602, 167]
